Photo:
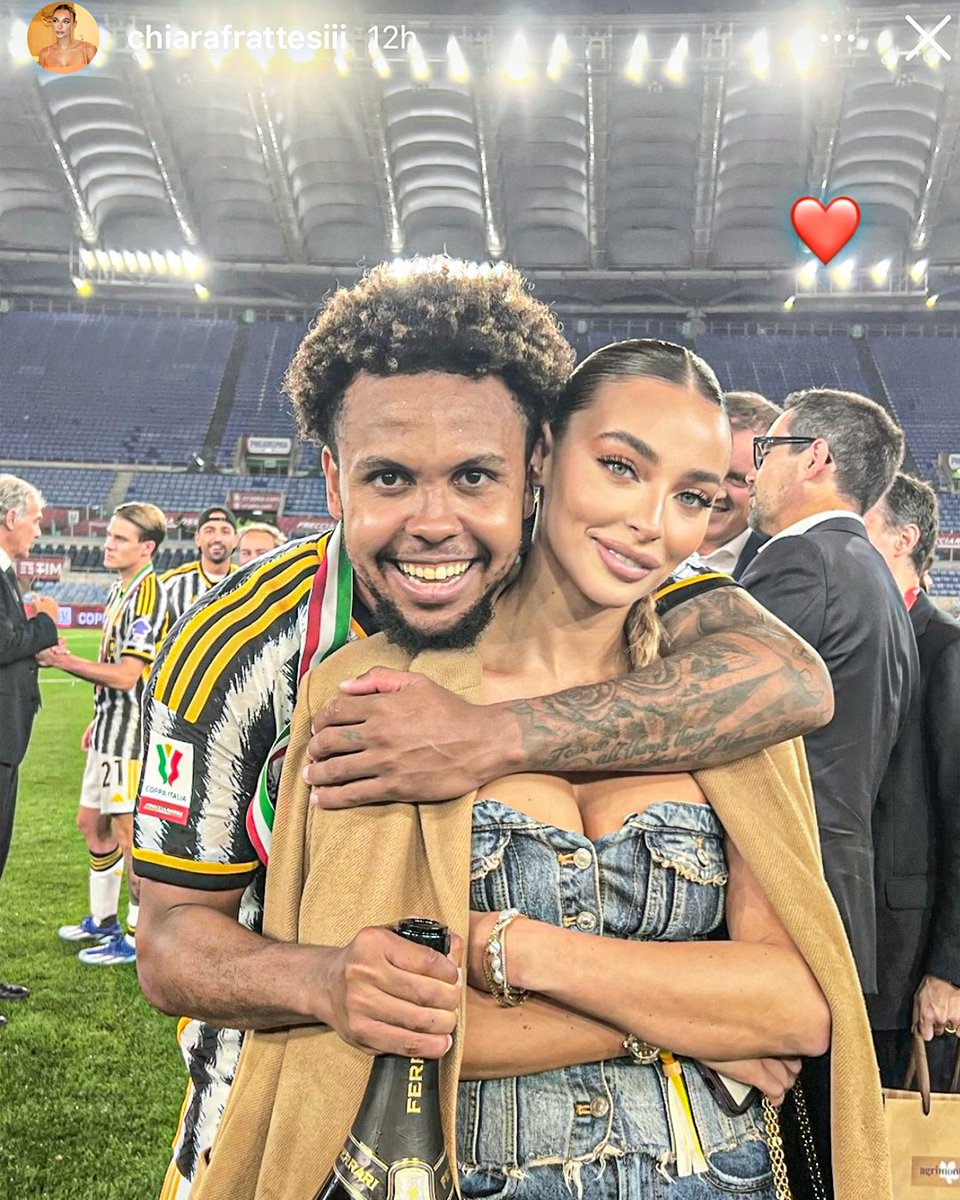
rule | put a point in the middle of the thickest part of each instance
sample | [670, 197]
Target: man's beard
[218, 554]
[461, 636]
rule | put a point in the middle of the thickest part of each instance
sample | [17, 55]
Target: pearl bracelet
[495, 962]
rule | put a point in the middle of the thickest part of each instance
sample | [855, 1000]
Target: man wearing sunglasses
[827, 459]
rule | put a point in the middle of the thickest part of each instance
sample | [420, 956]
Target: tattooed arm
[734, 679]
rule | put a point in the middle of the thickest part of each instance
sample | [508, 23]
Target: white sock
[133, 915]
[105, 879]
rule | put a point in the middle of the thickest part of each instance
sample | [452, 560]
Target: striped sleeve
[223, 687]
[144, 622]
[691, 579]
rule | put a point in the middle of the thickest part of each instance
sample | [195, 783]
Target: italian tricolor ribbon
[327, 629]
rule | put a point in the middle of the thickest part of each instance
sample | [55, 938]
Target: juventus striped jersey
[185, 584]
[134, 623]
[223, 688]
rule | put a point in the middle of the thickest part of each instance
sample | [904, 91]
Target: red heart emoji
[825, 231]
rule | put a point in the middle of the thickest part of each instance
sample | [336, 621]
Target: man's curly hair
[430, 314]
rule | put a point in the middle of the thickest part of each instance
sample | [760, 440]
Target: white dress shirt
[725, 557]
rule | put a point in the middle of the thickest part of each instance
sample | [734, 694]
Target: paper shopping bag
[923, 1130]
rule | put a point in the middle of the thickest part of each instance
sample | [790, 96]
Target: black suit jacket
[917, 831]
[833, 588]
[20, 639]
[748, 553]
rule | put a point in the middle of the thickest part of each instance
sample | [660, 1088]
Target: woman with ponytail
[611, 884]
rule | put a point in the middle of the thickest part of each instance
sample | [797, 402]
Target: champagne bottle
[395, 1150]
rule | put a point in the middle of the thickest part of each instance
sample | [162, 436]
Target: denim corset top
[661, 876]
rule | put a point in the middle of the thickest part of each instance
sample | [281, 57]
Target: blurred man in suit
[917, 819]
[826, 460]
[21, 639]
[731, 545]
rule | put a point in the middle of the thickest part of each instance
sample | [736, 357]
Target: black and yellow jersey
[134, 623]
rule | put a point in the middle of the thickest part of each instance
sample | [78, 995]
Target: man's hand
[86, 737]
[47, 605]
[54, 656]
[392, 996]
[394, 735]
[935, 1007]
[773, 1076]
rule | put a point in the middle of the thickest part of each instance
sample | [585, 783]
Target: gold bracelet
[495, 962]
[640, 1051]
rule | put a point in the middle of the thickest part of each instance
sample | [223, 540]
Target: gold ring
[950, 1029]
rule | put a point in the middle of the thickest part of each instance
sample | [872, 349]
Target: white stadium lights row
[844, 275]
[169, 264]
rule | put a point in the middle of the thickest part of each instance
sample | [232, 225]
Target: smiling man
[428, 384]
[731, 545]
[428, 568]
[216, 539]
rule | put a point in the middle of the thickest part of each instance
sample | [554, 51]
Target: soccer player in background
[216, 539]
[256, 539]
[134, 623]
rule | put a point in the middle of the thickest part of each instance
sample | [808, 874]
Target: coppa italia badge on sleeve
[167, 781]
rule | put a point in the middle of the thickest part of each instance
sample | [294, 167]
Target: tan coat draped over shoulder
[332, 873]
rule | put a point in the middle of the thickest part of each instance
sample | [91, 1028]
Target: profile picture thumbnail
[63, 38]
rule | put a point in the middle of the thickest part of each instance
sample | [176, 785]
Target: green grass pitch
[91, 1080]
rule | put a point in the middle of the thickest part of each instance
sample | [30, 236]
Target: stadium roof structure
[626, 162]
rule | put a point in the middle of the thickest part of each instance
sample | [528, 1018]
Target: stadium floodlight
[88, 258]
[517, 67]
[637, 62]
[880, 272]
[159, 262]
[194, 266]
[203, 293]
[676, 66]
[789, 303]
[301, 54]
[807, 274]
[931, 301]
[378, 59]
[887, 49]
[143, 58]
[803, 47]
[559, 57]
[116, 260]
[144, 262]
[842, 274]
[104, 50]
[83, 287]
[458, 70]
[341, 59]
[174, 262]
[931, 56]
[216, 55]
[103, 259]
[759, 51]
[130, 262]
[419, 67]
[261, 55]
[918, 270]
[17, 43]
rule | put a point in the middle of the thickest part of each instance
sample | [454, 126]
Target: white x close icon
[928, 38]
